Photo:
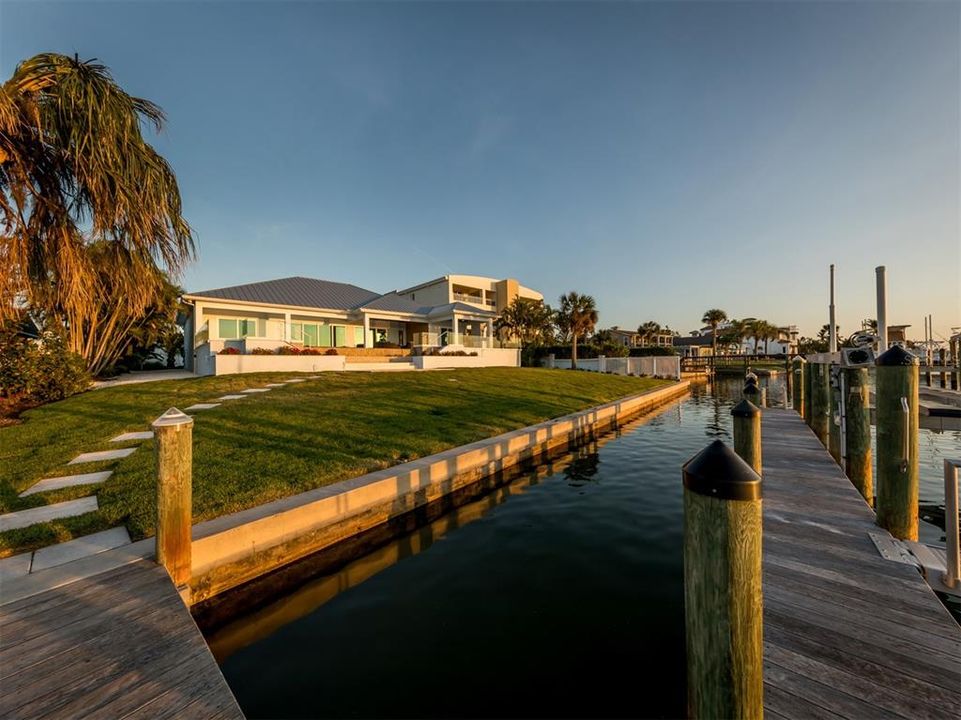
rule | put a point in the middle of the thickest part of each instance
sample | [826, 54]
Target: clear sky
[663, 157]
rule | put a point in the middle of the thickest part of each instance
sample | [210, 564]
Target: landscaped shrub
[385, 344]
[229, 351]
[652, 351]
[38, 371]
[312, 351]
[332, 351]
[261, 351]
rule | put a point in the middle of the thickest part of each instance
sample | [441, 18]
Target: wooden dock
[118, 644]
[846, 633]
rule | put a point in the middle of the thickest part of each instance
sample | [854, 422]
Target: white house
[456, 311]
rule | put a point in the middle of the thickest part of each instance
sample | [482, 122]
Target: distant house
[898, 334]
[455, 310]
[634, 339]
[697, 346]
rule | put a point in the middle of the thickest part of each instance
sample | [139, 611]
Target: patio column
[490, 333]
[456, 340]
[287, 332]
[367, 343]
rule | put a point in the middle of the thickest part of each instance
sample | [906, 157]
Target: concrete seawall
[241, 547]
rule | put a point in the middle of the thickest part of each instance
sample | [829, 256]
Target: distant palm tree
[76, 171]
[578, 316]
[714, 317]
[649, 331]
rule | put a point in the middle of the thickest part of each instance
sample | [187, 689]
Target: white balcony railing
[474, 299]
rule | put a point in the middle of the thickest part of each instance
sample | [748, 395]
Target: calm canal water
[559, 594]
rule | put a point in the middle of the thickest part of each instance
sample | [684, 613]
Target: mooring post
[723, 604]
[173, 432]
[834, 413]
[601, 363]
[799, 373]
[808, 393]
[927, 376]
[551, 361]
[857, 431]
[752, 392]
[763, 391]
[897, 442]
[820, 402]
[951, 529]
[747, 433]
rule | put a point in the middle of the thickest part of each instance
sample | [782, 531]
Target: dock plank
[117, 644]
[847, 633]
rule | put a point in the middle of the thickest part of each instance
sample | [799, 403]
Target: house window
[310, 334]
[358, 336]
[230, 328]
[340, 336]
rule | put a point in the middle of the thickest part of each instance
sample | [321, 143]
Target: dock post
[747, 433]
[799, 381]
[927, 377]
[834, 413]
[857, 431]
[897, 442]
[723, 604]
[601, 363]
[551, 361]
[952, 563]
[808, 394]
[820, 402]
[173, 431]
[752, 393]
[763, 391]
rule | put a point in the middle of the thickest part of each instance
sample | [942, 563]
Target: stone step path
[256, 390]
[58, 483]
[202, 406]
[102, 455]
[233, 397]
[45, 513]
[63, 553]
[127, 437]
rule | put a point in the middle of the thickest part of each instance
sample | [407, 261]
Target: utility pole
[882, 292]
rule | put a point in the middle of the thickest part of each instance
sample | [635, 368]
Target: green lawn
[271, 445]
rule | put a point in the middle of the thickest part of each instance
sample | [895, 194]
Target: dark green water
[558, 595]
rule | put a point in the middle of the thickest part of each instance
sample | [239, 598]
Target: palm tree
[714, 317]
[649, 331]
[577, 316]
[771, 332]
[75, 170]
[530, 321]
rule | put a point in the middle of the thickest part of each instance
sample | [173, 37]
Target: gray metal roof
[392, 302]
[296, 292]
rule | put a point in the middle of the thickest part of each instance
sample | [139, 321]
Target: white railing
[474, 299]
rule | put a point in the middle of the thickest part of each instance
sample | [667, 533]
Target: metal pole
[953, 543]
[882, 295]
[832, 332]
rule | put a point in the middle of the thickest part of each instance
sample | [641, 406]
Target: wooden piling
[820, 402]
[752, 393]
[723, 603]
[799, 371]
[173, 439]
[834, 414]
[747, 433]
[857, 431]
[808, 393]
[897, 442]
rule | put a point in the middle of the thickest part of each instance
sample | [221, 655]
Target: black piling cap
[752, 389]
[745, 408]
[799, 360]
[896, 355]
[717, 471]
[750, 380]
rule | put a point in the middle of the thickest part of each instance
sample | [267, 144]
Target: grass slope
[271, 445]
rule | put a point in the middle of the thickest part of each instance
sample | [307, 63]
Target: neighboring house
[456, 310]
[785, 343]
[633, 339]
[898, 334]
[697, 346]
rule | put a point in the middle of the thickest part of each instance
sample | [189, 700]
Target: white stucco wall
[233, 364]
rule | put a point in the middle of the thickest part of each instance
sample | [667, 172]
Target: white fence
[664, 366]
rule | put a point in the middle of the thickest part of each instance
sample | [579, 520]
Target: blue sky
[663, 157]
